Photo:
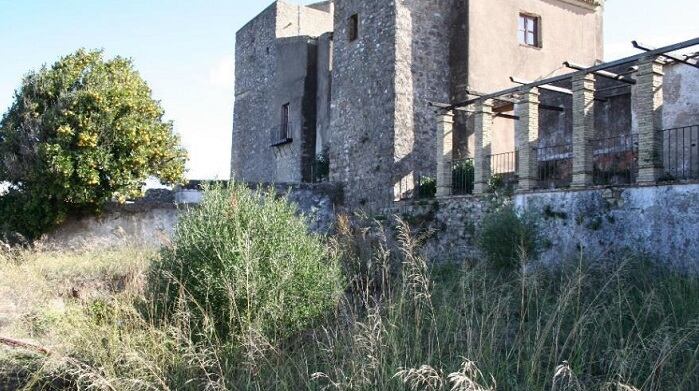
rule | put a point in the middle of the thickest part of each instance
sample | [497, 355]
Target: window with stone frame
[353, 29]
[529, 32]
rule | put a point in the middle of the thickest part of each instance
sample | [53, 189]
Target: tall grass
[622, 324]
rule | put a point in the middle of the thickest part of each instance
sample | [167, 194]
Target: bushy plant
[426, 187]
[244, 262]
[506, 236]
[80, 133]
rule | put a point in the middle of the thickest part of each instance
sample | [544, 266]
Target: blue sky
[184, 49]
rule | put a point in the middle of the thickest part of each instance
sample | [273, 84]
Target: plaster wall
[681, 96]
[152, 223]
[661, 222]
[568, 32]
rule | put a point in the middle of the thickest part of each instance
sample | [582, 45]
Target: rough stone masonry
[351, 80]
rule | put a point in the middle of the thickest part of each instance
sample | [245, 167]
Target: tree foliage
[79, 134]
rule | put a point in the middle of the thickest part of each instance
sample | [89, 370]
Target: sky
[185, 50]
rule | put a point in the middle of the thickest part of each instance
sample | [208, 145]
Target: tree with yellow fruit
[79, 134]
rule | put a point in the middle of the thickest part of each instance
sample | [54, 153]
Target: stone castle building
[352, 81]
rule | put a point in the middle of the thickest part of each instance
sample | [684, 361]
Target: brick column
[583, 129]
[445, 127]
[527, 137]
[483, 124]
[647, 103]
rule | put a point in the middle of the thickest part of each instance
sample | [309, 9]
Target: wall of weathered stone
[423, 74]
[151, 221]
[450, 225]
[323, 108]
[661, 222]
[255, 67]
[363, 102]
[276, 63]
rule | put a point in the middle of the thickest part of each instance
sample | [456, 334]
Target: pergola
[644, 75]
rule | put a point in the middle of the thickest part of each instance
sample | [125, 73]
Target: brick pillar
[647, 103]
[483, 124]
[527, 137]
[583, 129]
[445, 127]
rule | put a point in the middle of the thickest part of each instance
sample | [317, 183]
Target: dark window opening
[530, 30]
[353, 27]
[282, 134]
[284, 128]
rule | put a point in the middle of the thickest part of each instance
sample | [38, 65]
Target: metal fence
[615, 159]
[462, 177]
[681, 153]
[555, 166]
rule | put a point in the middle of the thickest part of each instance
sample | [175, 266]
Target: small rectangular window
[284, 128]
[529, 30]
[353, 32]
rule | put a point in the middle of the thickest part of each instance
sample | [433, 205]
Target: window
[529, 30]
[284, 128]
[353, 32]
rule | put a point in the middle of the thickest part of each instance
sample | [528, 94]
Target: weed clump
[244, 263]
[505, 237]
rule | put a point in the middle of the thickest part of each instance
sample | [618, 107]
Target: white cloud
[222, 72]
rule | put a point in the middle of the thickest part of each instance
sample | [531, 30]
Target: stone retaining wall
[151, 220]
[661, 222]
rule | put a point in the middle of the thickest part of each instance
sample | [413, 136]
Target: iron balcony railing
[462, 177]
[615, 159]
[281, 134]
[555, 166]
[681, 153]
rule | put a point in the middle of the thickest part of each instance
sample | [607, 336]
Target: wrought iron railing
[462, 177]
[281, 134]
[615, 159]
[555, 165]
[681, 153]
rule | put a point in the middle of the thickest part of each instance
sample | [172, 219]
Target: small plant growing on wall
[506, 237]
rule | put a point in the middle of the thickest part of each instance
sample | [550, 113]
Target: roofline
[587, 4]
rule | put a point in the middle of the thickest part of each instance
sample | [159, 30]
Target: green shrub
[244, 262]
[426, 188]
[506, 236]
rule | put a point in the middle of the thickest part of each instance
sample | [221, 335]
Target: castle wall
[424, 31]
[276, 64]
[295, 85]
[363, 102]
[255, 66]
[325, 53]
